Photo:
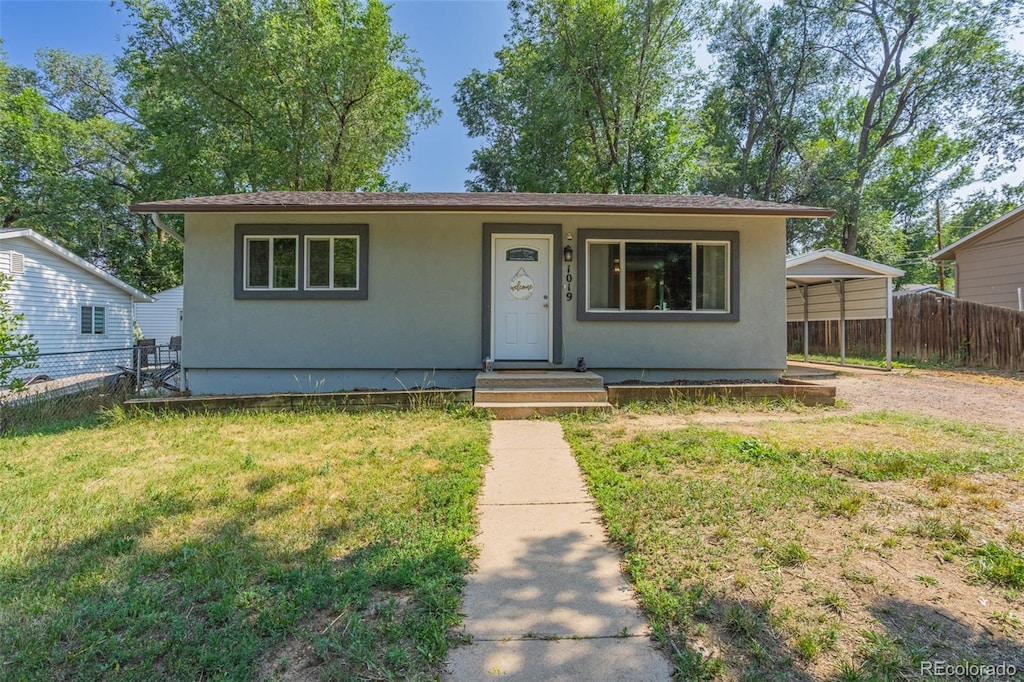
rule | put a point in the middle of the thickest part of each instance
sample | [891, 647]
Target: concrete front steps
[515, 394]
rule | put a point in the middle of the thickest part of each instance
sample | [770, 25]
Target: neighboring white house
[161, 319]
[69, 304]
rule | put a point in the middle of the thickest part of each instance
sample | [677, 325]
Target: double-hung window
[301, 261]
[658, 275]
[94, 319]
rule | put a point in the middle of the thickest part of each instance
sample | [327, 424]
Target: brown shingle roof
[478, 201]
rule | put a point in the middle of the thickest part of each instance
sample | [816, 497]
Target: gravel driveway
[978, 398]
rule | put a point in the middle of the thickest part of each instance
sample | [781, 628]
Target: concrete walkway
[547, 601]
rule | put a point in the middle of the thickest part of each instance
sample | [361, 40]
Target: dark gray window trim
[491, 229]
[733, 237]
[301, 232]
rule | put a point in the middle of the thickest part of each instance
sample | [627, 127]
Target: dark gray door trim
[555, 231]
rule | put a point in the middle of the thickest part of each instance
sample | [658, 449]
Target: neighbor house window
[658, 275]
[301, 261]
[94, 319]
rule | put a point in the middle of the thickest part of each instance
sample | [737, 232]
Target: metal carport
[829, 285]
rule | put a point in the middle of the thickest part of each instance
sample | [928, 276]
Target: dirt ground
[902, 577]
[972, 397]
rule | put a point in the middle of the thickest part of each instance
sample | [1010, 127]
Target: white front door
[520, 306]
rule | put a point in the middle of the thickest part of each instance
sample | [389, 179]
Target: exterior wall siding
[865, 300]
[991, 269]
[51, 292]
[159, 320]
[421, 322]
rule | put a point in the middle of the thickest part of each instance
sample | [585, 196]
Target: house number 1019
[568, 282]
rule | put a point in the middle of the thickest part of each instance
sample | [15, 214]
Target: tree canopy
[208, 97]
[587, 97]
[877, 109]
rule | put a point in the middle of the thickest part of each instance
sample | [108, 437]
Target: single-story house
[309, 291]
[161, 319]
[69, 304]
[990, 262]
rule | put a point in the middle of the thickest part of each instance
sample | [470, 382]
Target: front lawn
[816, 546]
[237, 547]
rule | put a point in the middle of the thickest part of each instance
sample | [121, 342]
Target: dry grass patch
[819, 547]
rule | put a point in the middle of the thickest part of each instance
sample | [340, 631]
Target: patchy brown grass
[815, 544]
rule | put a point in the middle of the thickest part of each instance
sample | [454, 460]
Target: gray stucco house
[304, 291]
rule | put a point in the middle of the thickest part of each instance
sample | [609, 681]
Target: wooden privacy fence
[927, 328]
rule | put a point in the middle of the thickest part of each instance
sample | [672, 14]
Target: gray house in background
[301, 291]
[69, 304]
[990, 262]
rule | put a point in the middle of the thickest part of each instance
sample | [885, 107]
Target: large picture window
[301, 261]
[658, 275]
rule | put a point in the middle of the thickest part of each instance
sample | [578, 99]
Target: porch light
[567, 253]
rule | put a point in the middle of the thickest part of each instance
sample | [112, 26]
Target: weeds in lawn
[796, 531]
[999, 565]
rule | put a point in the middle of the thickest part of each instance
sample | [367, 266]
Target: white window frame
[329, 237]
[694, 243]
[92, 320]
[270, 276]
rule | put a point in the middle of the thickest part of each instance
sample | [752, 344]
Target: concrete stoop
[512, 394]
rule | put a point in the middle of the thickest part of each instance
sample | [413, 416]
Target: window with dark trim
[301, 261]
[94, 319]
[658, 275]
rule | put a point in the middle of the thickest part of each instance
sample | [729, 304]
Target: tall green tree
[919, 71]
[243, 95]
[71, 164]
[875, 108]
[588, 96]
[762, 103]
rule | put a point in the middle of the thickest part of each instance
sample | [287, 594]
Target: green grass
[715, 523]
[1000, 565]
[227, 547]
[872, 361]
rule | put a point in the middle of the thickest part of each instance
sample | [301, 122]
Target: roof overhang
[949, 253]
[478, 202]
[828, 265]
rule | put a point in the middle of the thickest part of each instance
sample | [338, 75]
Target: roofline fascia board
[163, 227]
[879, 268]
[50, 245]
[949, 253]
[559, 210]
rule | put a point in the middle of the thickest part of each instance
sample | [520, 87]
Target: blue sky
[450, 36]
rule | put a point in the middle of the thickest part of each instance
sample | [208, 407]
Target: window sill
[653, 316]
